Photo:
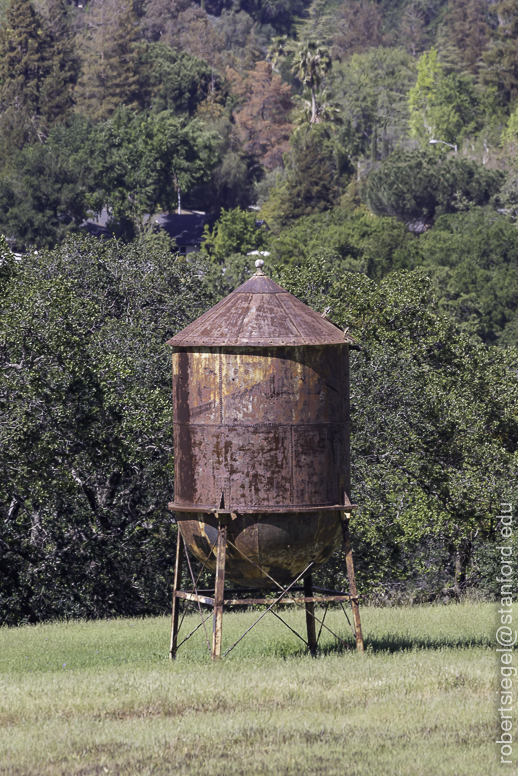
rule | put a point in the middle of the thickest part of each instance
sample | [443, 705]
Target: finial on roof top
[259, 264]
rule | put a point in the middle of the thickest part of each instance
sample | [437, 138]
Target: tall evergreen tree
[160, 18]
[312, 179]
[443, 106]
[63, 66]
[500, 67]
[467, 31]
[358, 27]
[262, 118]
[109, 49]
[23, 69]
[411, 28]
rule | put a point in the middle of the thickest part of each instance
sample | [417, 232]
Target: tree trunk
[462, 561]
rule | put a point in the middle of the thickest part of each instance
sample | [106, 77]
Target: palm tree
[311, 64]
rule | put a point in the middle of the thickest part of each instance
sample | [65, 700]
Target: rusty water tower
[261, 442]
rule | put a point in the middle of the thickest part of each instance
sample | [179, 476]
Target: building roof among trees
[186, 229]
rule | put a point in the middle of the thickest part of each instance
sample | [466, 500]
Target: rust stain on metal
[261, 313]
[261, 428]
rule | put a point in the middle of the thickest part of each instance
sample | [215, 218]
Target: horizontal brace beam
[203, 599]
[296, 589]
[298, 600]
[283, 508]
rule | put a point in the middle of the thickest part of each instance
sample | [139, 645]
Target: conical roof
[263, 314]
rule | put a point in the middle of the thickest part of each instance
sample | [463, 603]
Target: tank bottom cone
[279, 545]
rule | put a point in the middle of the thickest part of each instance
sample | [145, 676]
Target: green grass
[100, 697]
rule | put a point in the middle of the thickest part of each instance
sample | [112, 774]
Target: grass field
[90, 698]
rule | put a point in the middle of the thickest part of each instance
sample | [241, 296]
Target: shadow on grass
[405, 643]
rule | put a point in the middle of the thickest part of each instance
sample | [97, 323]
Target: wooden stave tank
[261, 424]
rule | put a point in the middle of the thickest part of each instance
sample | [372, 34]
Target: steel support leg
[310, 615]
[219, 591]
[352, 582]
[177, 584]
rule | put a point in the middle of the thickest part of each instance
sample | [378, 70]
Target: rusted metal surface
[208, 601]
[261, 426]
[173, 647]
[260, 313]
[218, 601]
[281, 545]
[219, 590]
[310, 615]
[352, 583]
[262, 433]
[174, 506]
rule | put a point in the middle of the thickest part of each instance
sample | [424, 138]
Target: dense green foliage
[331, 72]
[471, 257]
[381, 180]
[86, 448]
[235, 232]
[417, 186]
[434, 426]
[86, 437]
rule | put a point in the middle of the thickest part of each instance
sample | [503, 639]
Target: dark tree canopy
[418, 186]
[86, 452]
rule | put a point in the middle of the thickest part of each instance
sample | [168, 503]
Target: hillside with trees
[371, 150]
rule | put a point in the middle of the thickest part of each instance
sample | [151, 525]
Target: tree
[110, 59]
[244, 40]
[318, 24]
[434, 430]
[347, 242]
[314, 169]
[159, 19]
[358, 27]
[133, 165]
[509, 143]
[500, 59]
[195, 33]
[311, 63]
[44, 191]
[86, 435]
[442, 106]
[262, 115]
[472, 258]
[56, 100]
[467, 31]
[176, 80]
[411, 28]
[417, 186]
[428, 70]
[236, 231]
[231, 182]
[23, 70]
[38, 69]
[145, 161]
[280, 16]
[371, 91]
